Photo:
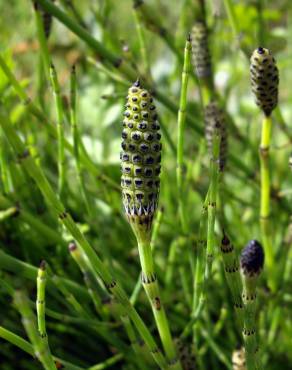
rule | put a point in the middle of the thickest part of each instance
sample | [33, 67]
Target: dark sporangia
[140, 155]
[200, 50]
[264, 79]
[252, 259]
[214, 119]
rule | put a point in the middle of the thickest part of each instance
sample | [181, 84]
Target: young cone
[201, 53]
[264, 79]
[140, 157]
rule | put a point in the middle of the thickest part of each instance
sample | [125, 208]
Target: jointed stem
[77, 139]
[151, 287]
[181, 127]
[231, 267]
[249, 331]
[60, 129]
[265, 195]
[212, 202]
[40, 347]
[41, 300]
[28, 348]
[143, 51]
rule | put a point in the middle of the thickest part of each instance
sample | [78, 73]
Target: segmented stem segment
[89, 278]
[42, 39]
[60, 130]
[201, 254]
[156, 227]
[41, 299]
[265, 195]
[181, 132]
[65, 218]
[231, 268]
[76, 138]
[215, 159]
[40, 347]
[251, 262]
[28, 348]
[142, 42]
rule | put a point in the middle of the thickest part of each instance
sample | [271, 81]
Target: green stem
[265, 196]
[28, 348]
[77, 139]
[41, 350]
[151, 287]
[107, 363]
[181, 131]
[200, 256]
[212, 203]
[155, 231]
[41, 299]
[60, 130]
[249, 329]
[88, 279]
[231, 268]
[234, 22]
[143, 51]
[42, 41]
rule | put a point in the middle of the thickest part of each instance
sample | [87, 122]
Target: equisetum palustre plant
[144, 268]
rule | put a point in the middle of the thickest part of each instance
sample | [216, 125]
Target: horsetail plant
[251, 263]
[140, 166]
[264, 83]
[66, 220]
[29, 321]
